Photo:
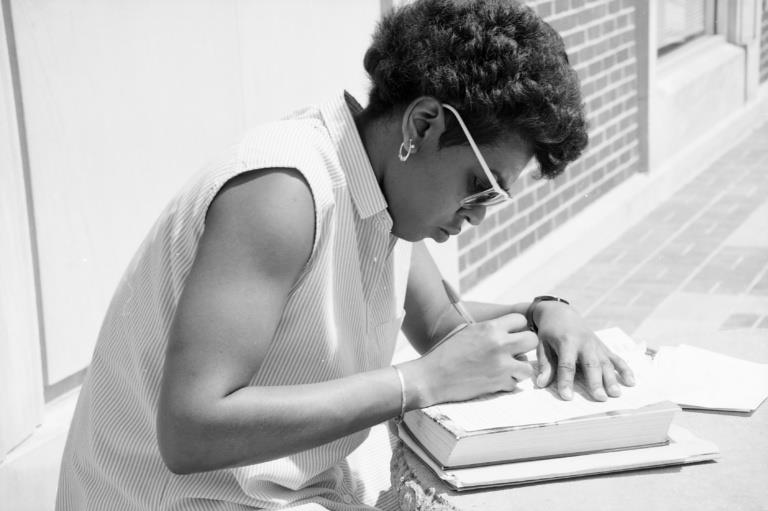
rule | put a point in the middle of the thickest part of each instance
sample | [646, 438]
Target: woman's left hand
[567, 344]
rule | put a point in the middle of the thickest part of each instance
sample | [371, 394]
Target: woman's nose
[475, 214]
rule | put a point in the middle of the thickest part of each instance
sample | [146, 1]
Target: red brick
[602, 47]
[544, 229]
[525, 201]
[466, 237]
[552, 204]
[468, 281]
[506, 214]
[535, 215]
[477, 253]
[561, 217]
[463, 260]
[601, 82]
[498, 239]
[508, 254]
[542, 191]
[597, 102]
[585, 17]
[576, 39]
[527, 240]
[544, 10]
[488, 267]
[514, 229]
[595, 68]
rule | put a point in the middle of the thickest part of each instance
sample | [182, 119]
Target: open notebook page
[530, 405]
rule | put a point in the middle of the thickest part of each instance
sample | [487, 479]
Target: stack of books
[532, 435]
[454, 444]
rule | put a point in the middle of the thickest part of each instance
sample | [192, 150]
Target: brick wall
[600, 39]
[764, 45]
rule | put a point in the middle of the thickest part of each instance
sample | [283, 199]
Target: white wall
[123, 100]
[20, 376]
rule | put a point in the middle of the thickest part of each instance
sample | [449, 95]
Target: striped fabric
[342, 317]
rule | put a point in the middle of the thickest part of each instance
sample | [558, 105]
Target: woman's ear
[423, 121]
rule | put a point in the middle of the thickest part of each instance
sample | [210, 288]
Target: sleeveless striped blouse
[342, 317]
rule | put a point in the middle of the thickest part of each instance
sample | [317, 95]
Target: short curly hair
[497, 62]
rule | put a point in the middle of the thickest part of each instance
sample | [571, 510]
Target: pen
[457, 305]
[465, 315]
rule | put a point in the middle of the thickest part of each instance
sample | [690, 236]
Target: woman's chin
[441, 236]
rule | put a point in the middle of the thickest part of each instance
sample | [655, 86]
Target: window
[679, 21]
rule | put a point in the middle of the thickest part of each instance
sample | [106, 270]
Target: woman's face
[424, 193]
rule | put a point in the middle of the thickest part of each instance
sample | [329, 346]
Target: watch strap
[543, 298]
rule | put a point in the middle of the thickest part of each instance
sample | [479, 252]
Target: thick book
[532, 423]
[683, 448]
[451, 445]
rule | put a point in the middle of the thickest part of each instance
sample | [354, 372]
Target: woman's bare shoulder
[267, 215]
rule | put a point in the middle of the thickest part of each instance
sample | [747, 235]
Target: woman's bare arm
[257, 239]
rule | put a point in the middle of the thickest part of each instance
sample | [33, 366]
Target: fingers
[521, 370]
[512, 322]
[593, 377]
[566, 371]
[609, 379]
[626, 374]
[521, 342]
[544, 358]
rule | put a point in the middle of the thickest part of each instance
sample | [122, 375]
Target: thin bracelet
[399, 418]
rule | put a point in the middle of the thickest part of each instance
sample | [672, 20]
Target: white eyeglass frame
[496, 192]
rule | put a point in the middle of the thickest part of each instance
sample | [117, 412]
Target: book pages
[529, 405]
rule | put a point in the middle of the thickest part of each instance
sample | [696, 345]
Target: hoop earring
[404, 154]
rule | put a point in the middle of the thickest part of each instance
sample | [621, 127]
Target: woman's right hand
[480, 359]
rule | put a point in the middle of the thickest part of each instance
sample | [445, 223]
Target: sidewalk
[697, 263]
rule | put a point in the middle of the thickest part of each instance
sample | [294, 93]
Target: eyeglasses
[493, 195]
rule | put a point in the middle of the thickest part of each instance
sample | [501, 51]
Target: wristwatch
[544, 298]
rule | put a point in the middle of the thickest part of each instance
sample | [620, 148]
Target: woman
[247, 350]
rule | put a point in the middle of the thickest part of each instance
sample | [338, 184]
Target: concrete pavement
[697, 263]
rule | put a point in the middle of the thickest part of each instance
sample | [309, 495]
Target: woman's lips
[452, 231]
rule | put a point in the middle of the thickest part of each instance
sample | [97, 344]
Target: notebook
[683, 448]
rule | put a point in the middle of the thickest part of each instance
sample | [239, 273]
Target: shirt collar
[365, 190]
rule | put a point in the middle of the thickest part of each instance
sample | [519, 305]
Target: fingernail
[567, 394]
[614, 390]
[600, 395]
[540, 381]
[630, 380]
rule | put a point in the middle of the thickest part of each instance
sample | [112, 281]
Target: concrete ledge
[564, 251]
[695, 87]
[29, 474]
